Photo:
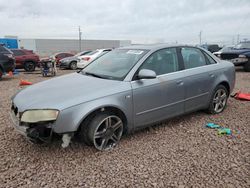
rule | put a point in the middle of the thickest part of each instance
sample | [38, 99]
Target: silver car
[122, 91]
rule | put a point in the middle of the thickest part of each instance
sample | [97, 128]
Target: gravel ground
[178, 153]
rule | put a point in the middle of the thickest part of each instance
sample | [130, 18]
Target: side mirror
[146, 74]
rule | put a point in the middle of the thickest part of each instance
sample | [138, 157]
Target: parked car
[122, 91]
[211, 47]
[224, 49]
[70, 62]
[7, 61]
[25, 59]
[239, 55]
[86, 59]
[57, 57]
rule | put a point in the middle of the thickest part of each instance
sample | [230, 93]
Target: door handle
[179, 82]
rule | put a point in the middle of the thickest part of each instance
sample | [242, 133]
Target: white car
[86, 59]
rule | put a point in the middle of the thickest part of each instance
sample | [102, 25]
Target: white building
[45, 47]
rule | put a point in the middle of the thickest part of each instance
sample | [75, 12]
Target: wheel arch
[108, 108]
[29, 60]
[226, 85]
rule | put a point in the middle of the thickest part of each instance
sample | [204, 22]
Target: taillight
[86, 58]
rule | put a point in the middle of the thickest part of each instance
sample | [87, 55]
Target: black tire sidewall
[27, 68]
[211, 107]
[247, 66]
[1, 74]
[89, 130]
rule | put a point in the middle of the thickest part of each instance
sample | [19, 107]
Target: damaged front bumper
[37, 133]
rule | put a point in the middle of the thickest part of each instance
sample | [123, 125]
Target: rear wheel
[29, 66]
[247, 66]
[104, 131]
[73, 65]
[1, 74]
[218, 101]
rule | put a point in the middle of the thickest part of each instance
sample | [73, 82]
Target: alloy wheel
[73, 66]
[219, 100]
[108, 133]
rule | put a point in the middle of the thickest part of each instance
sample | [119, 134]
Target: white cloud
[138, 20]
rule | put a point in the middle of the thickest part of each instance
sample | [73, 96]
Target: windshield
[243, 45]
[115, 64]
[92, 53]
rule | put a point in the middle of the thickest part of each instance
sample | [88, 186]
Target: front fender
[70, 119]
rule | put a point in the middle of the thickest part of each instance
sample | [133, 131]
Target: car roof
[152, 46]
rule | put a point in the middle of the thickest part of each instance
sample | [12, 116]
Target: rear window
[18, 52]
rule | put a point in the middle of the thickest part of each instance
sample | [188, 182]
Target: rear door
[160, 98]
[198, 80]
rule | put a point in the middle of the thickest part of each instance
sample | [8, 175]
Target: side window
[192, 58]
[210, 59]
[162, 62]
[18, 52]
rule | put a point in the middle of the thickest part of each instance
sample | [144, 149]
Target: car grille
[229, 56]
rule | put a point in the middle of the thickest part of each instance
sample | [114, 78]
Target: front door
[163, 97]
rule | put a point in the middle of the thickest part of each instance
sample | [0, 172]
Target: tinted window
[192, 58]
[162, 62]
[18, 52]
[210, 59]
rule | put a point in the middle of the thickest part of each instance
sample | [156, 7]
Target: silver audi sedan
[122, 91]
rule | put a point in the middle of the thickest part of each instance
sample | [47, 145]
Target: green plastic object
[212, 126]
[225, 131]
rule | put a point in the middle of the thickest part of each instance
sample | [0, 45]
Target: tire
[29, 66]
[104, 131]
[73, 65]
[1, 73]
[218, 100]
[247, 66]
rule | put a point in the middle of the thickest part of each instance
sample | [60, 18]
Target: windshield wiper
[93, 74]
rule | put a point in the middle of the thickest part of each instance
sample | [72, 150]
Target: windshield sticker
[137, 52]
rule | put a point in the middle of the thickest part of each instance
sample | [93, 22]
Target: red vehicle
[25, 59]
[57, 57]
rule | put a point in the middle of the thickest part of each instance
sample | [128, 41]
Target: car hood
[236, 51]
[66, 91]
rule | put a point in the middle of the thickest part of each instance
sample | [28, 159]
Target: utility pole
[238, 38]
[80, 39]
[200, 36]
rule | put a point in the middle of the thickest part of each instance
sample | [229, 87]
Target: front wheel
[218, 101]
[105, 131]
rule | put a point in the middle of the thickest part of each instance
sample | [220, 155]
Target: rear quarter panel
[224, 71]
